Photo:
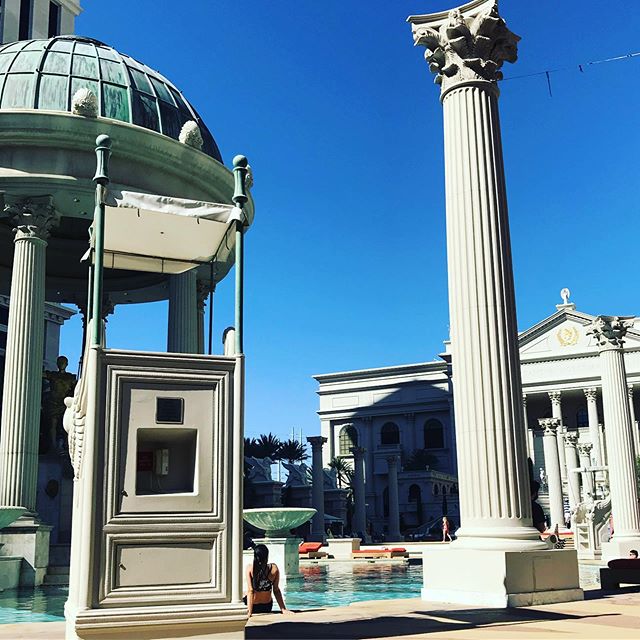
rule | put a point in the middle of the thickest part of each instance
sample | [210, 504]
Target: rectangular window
[24, 27]
[170, 410]
[54, 19]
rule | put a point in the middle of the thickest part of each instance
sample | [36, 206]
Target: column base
[342, 548]
[615, 549]
[500, 579]
[28, 538]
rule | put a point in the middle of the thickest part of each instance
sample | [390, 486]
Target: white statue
[190, 135]
[298, 474]
[543, 477]
[565, 294]
[84, 103]
[260, 469]
[330, 477]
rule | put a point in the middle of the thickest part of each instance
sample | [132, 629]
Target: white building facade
[401, 409]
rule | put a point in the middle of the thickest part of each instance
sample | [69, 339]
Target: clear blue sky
[346, 262]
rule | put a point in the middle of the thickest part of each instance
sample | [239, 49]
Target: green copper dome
[45, 74]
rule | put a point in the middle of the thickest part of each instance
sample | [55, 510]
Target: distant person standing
[446, 530]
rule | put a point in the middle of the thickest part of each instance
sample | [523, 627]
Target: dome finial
[190, 135]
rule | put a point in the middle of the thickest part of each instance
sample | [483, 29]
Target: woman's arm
[249, 590]
[276, 591]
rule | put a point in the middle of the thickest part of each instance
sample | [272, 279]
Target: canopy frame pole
[212, 286]
[240, 170]
[101, 178]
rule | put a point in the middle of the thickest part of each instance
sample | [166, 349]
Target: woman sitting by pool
[262, 579]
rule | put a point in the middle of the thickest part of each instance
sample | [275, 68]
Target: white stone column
[634, 426]
[552, 465]
[556, 412]
[183, 313]
[603, 444]
[571, 456]
[609, 332]
[528, 431]
[584, 451]
[594, 428]
[466, 48]
[317, 487]
[359, 524]
[394, 506]
[19, 434]
[495, 506]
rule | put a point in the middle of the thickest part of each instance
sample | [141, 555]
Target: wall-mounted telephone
[161, 462]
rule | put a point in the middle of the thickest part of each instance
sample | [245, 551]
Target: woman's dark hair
[260, 559]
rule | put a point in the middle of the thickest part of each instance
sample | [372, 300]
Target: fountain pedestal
[284, 552]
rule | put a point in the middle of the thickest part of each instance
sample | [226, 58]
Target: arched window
[389, 434]
[348, 438]
[415, 494]
[582, 418]
[444, 489]
[433, 434]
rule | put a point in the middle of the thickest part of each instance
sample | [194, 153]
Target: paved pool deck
[602, 616]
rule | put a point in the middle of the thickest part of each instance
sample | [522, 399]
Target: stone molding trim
[610, 331]
[32, 217]
[467, 48]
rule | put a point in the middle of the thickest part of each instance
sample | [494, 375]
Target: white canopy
[160, 234]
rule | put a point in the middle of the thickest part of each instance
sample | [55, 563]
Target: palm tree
[250, 447]
[292, 451]
[267, 446]
[344, 472]
[421, 460]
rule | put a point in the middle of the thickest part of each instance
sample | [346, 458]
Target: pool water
[317, 586]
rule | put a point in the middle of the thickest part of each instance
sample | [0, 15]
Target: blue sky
[338, 114]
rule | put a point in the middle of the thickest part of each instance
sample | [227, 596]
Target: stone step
[58, 571]
[56, 579]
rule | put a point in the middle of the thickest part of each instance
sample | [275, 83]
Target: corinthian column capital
[584, 448]
[550, 425]
[610, 331]
[467, 44]
[203, 289]
[32, 217]
[555, 397]
[591, 394]
[571, 439]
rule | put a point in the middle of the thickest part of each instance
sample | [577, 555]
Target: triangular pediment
[565, 333]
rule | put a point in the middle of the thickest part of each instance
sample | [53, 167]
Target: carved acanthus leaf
[464, 49]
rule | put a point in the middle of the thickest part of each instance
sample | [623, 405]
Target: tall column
[571, 455]
[394, 506]
[556, 412]
[317, 487]
[552, 464]
[359, 525]
[529, 432]
[594, 429]
[584, 451]
[33, 220]
[603, 444]
[634, 426]
[609, 332]
[183, 313]
[466, 53]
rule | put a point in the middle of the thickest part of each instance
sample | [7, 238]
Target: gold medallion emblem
[567, 336]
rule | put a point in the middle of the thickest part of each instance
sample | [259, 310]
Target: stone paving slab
[601, 617]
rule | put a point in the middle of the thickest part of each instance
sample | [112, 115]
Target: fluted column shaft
[22, 389]
[552, 464]
[528, 432]
[619, 435]
[556, 412]
[491, 443]
[360, 508]
[584, 451]
[394, 506]
[573, 478]
[317, 487]
[594, 427]
[183, 313]
[634, 426]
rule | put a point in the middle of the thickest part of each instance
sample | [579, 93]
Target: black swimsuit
[264, 584]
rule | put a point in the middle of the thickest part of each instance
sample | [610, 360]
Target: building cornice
[382, 372]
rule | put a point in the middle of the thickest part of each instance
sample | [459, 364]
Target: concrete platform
[598, 616]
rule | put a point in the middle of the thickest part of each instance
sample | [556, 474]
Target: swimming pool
[317, 586]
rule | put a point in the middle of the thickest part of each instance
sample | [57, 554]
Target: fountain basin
[277, 522]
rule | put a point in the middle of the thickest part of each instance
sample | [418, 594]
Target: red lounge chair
[311, 550]
[394, 552]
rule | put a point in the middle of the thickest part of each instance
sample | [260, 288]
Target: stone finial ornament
[610, 331]
[84, 103]
[190, 135]
[466, 47]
